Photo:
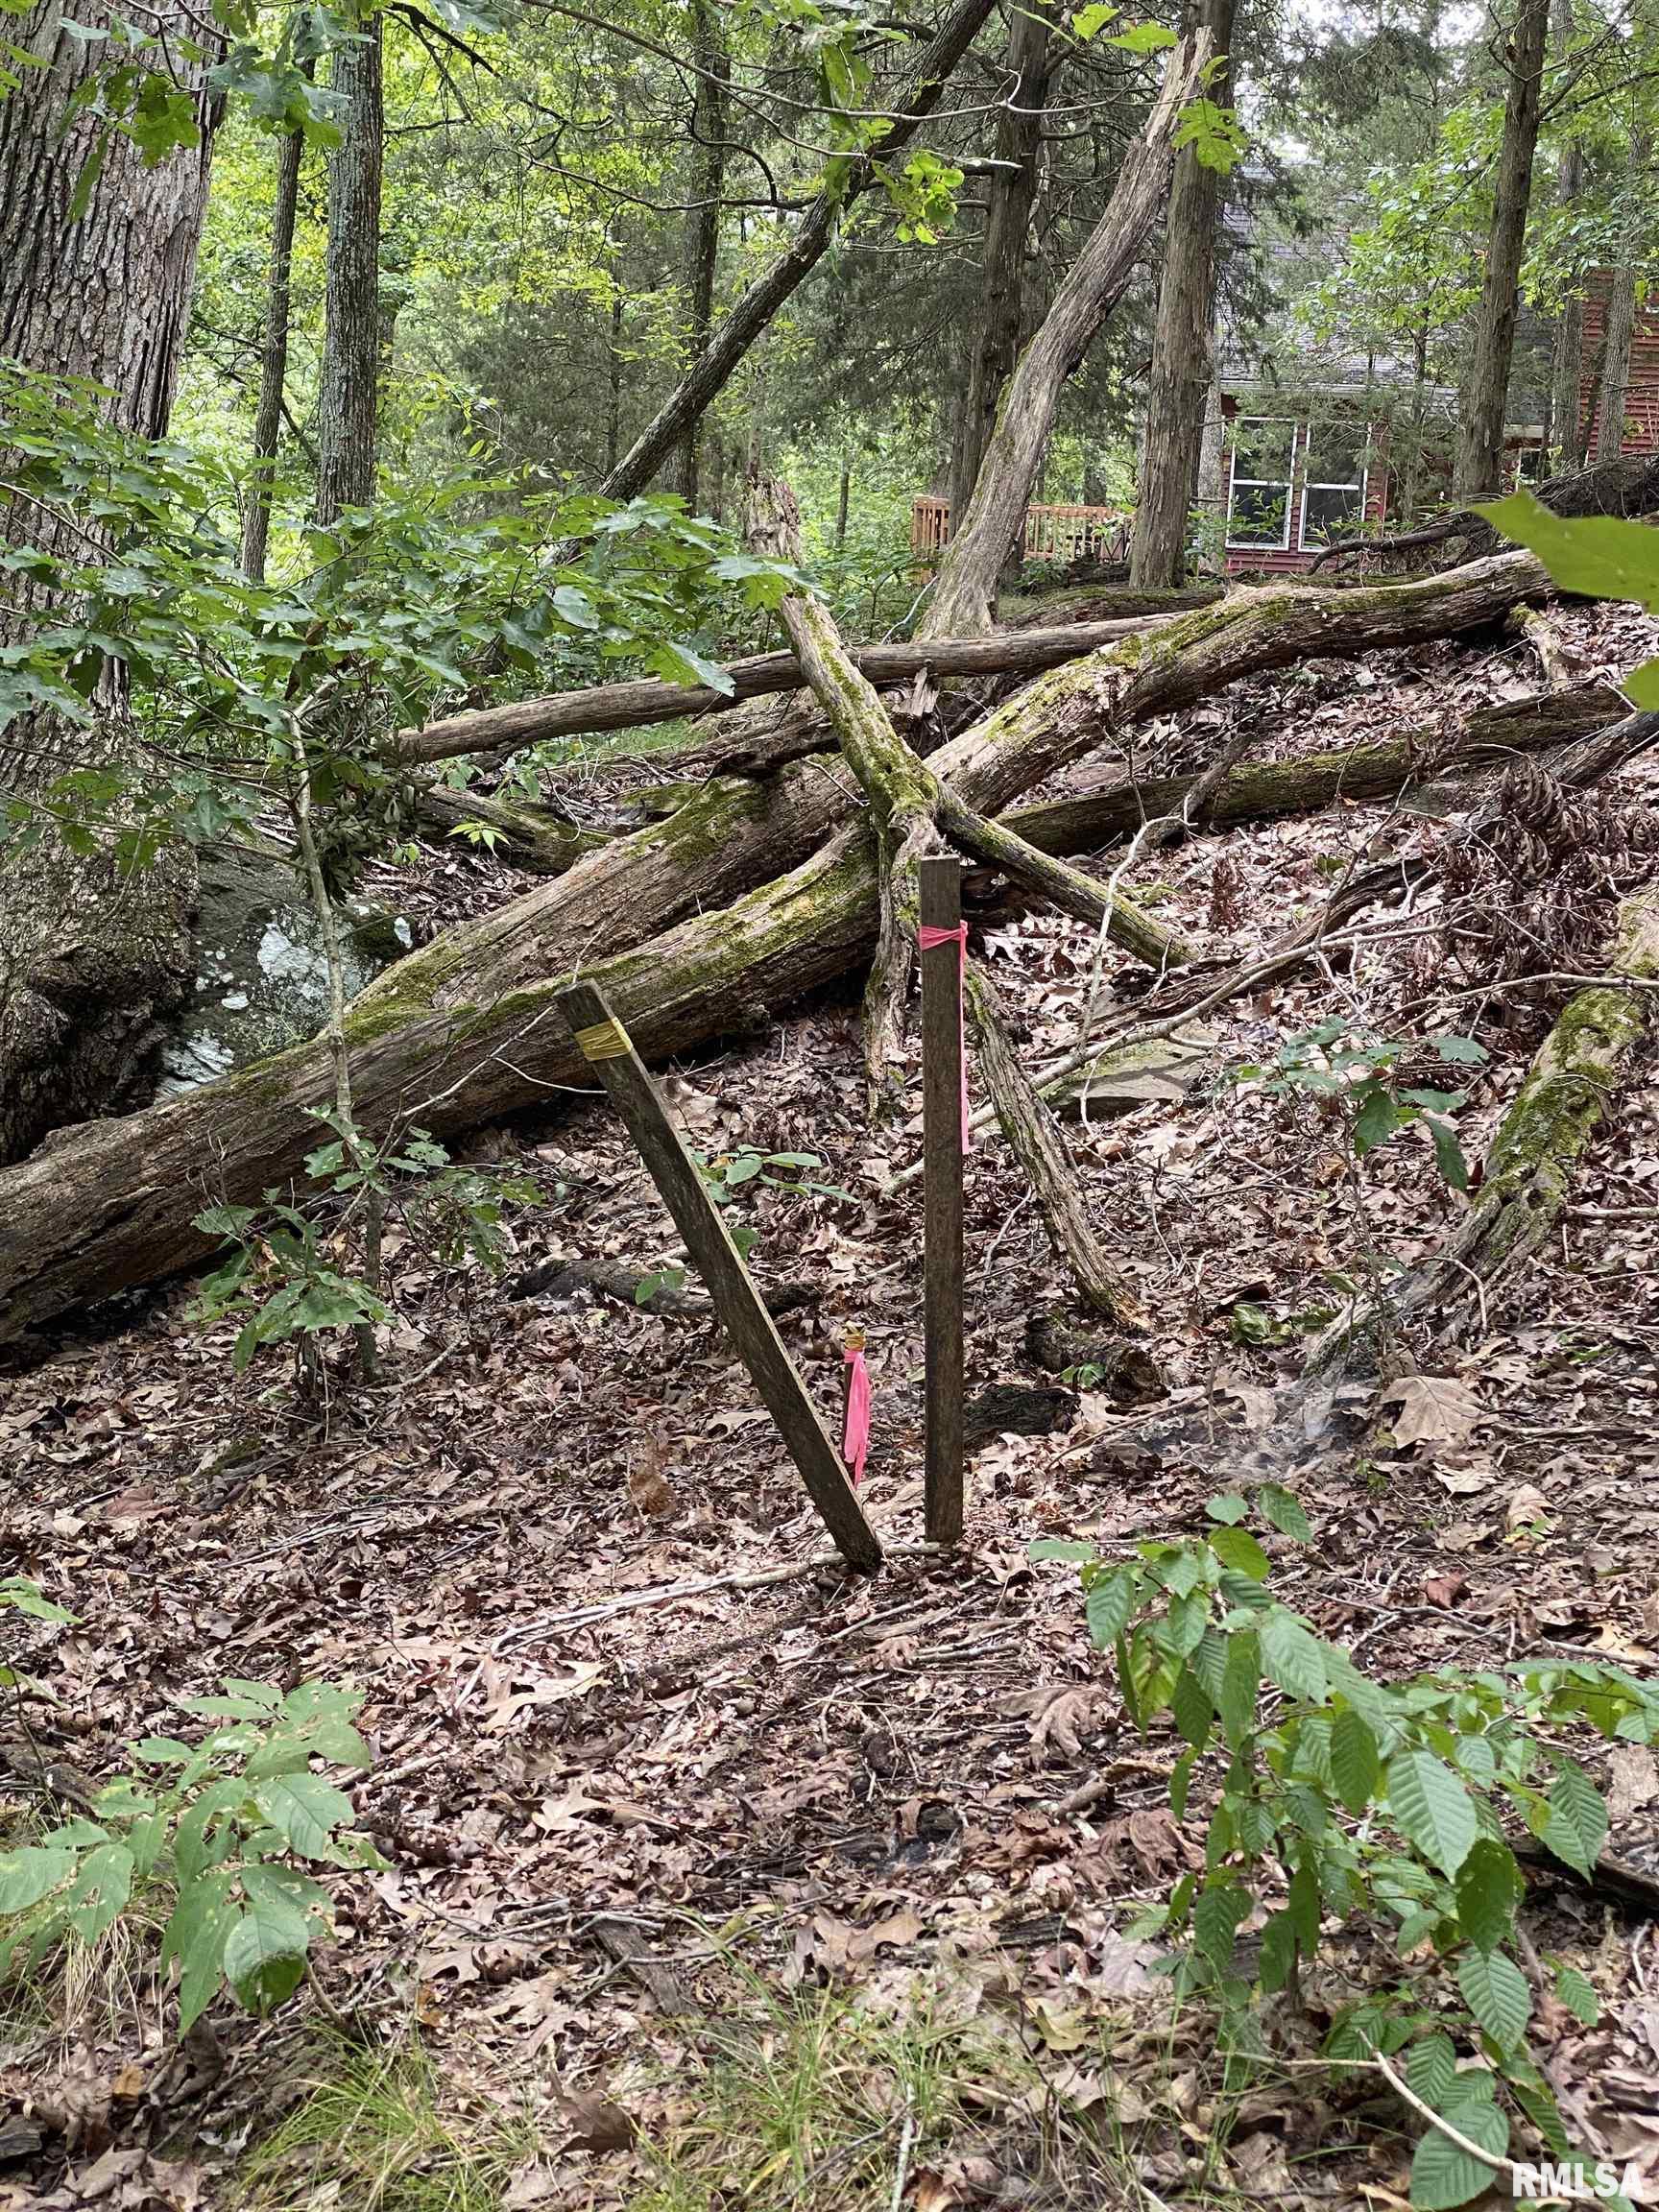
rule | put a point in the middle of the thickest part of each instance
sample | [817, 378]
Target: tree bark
[752, 895]
[1183, 349]
[1478, 468]
[966, 590]
[1567, 350]
[348, 401]
[1013, 193]
[916, 98]
[89, 957]
[707, 179]
[273, 357]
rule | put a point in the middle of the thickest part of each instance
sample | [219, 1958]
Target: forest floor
[812, 1892]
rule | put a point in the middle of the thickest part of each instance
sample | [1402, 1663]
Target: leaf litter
[637, 1770]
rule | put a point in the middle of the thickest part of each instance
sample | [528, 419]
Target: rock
[261, 977]
[1163, 1069]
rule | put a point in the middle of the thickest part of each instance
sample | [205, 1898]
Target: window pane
[1336, 453]
[1262, 450]
[1257, 512]
[1330, 512]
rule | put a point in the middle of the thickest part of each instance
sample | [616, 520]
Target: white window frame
[1234, 479]
[1308, 485]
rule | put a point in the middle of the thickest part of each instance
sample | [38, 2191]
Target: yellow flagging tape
[604, 1041]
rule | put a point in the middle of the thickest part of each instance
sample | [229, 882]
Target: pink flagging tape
[856, 1436]
[926, 938]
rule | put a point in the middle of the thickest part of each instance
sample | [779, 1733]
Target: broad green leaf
[305, 1809]
[1495, 1990]
[264, 1956]
[1238, 1550]
[1107, 1605]
[1596, 554]
[1431, 1807]
[22, 1596]
[1058, 1548]
[1448, 1153]
[1216, 1914]
[102, 1888]
[1489, 1887]
[1577, 1992]
[1227, 1508]
[1432, 2068]
[1292, 1656]
[1577, 1828]
[1444, 2175]
[1284, 1510]
[1239, 1682]
[1354, 1765]
[30, 1873]
[1191, 1709]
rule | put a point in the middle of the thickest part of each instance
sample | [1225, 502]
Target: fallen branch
[650, 699]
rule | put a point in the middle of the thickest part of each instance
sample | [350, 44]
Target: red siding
[1246, 559]
[1641, 393]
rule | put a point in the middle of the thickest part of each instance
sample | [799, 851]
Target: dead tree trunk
[89, 955]
[1477, 465]
[702, 216]
[1001, 281]
[1183, 352]
[965, 591]
[347, 397]
[705, 935]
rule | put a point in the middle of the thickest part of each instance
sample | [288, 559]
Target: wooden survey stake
[603, 1042]
[940, 884]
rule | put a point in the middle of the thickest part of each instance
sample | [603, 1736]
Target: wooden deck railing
[1052, 532]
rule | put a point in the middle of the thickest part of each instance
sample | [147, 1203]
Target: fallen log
[748, 897]
[1266, 791]
[1529, 1164]
[649, 699]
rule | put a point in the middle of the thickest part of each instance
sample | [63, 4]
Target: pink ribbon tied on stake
[927, 937]
[856, 1432]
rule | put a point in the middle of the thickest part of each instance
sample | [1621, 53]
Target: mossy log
[1529, 1165]
[531, 838]
[749, 896]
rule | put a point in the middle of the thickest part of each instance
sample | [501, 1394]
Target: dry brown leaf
[1634, 1782]
[1527, 1511]
[594, 2123]
[1434, 1410]
[1064, 1721]
[897, 1930]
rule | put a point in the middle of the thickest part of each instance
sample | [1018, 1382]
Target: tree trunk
[88, 956]
[1013, 193]
[1183, 351]
[273, 357]
[348, 401]
[967, 587]
[613, 382]
[1566, 440]
[702, 241]
[1478, 468]
[915, 98]
[705, 936]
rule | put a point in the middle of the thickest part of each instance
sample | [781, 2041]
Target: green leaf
[101, 1890]
[264, 1955]
[30, 1873]
[1489, 1887]
[1284, 1510]
[1238, 1549]
[1191, 1709]
[1576, 1827]
[22, 1596]
[1380, 1115]
[1354, 1765]
[1107, 1605]
[1577, 1992]
[1432, 1808]
[1432, 2068]
[1240, 1681]
[1495, 1990]
[1444, 2175]
[304, 1809]
[1058, 1548]
[1598, 554]
[1292, 1656]
[1448, 1153]
[1227, 1508]
[1216, 1914]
